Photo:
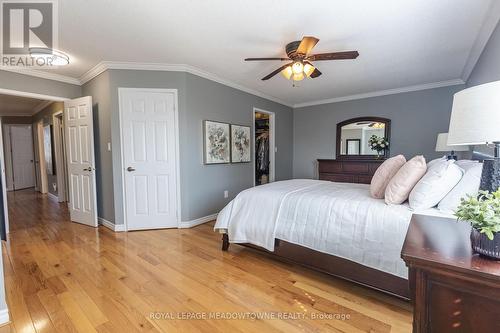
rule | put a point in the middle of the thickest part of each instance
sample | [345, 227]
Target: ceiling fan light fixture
[298, 76]
[298, 67]
[287, 72]
[308, 69]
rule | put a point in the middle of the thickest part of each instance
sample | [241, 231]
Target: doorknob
[130, 169]
[88, 169]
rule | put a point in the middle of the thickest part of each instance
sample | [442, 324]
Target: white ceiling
[401, 43]
[20, 106]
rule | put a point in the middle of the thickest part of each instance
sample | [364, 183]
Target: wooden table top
[445, 243]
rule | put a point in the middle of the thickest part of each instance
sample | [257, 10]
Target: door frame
[2, 162]
[4, 183]
[122, 90]
[272, 143]
[60, 156]
[42, 167]
[7, 156]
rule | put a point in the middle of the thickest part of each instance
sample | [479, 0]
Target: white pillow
[437, 182]
[437, 160]
[469, 184]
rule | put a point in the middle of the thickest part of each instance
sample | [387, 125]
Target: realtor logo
[29, 33]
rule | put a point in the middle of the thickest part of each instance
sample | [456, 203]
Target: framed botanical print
[240, 144]
[216, 140]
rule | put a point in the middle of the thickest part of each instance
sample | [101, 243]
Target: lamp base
[451, 156]
[490, 177]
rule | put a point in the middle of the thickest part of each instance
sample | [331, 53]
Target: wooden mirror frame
[387, 134]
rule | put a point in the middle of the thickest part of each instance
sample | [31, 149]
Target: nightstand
[452, 289]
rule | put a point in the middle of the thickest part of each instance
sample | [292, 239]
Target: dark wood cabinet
[348, 171]
[452, 289]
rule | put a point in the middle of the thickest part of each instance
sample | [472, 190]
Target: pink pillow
[404, 180]
[384, 174]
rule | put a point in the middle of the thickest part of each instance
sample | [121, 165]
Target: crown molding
[106, 65]
[43, 75]
[490, 23]
[383, 92]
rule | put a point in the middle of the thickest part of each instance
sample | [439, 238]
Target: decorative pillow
[468, 185]
[437, 182]
[404, 180]
[384, 174]
[437, 160]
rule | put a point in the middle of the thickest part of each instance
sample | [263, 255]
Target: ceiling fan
[372, 124]
[298, 53]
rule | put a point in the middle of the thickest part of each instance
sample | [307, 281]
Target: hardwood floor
[65, 277]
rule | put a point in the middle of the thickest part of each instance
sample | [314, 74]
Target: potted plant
[483, 213]
[379, 144]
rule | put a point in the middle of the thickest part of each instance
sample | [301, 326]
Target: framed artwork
[216, 139]
[240, 144]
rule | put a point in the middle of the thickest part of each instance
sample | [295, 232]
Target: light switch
[109, 146]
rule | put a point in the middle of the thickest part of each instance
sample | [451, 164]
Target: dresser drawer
[373, 167]
[348, 171]
[356, 168]
[330, 167]
[364, 179]
[340, 178]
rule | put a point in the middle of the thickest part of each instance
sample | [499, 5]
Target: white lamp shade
[475, 117]
[442, 144]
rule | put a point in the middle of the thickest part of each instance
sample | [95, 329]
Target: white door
[149, 141]
[22, 156]
[80, 160]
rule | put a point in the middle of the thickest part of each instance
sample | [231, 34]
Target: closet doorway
[264, 170]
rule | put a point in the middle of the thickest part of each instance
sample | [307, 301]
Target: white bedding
[340, 219]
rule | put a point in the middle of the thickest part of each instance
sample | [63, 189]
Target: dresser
[348, 171]
[452, 289]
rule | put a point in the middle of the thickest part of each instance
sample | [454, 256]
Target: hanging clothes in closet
[262, 144]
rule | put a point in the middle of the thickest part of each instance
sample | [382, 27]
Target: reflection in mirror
[355, 136]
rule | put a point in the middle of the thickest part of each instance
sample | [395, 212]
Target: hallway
[65, 277]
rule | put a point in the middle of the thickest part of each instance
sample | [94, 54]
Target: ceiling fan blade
[267, 77]
[306, 45]
[261, 59]
[315, 73]
[334, 56]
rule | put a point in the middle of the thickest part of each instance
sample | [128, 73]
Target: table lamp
[475, 120]
[442, 145]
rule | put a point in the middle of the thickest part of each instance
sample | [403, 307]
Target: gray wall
[487, 68]
[99, 89]
[416, 119]
[202, 186]
[205, 184]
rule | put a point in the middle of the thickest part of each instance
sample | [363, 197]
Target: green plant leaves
[482, 211]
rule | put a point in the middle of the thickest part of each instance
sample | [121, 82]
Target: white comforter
[336, 218]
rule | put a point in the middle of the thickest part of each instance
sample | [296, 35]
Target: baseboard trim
[111, 225]
[4, 317]
[194, 223]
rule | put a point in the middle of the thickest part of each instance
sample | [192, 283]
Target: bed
[337, 228]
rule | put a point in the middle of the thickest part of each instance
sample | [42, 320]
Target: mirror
[363, 138]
